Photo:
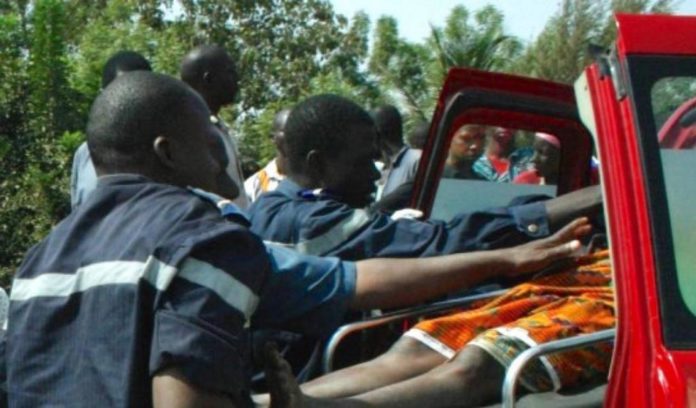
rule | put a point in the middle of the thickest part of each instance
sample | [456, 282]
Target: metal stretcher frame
[513, 372]
[348, 329]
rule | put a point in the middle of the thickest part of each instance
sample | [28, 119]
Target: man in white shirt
[267, 179]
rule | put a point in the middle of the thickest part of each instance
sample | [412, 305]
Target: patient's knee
[476, 369]
[413, 351]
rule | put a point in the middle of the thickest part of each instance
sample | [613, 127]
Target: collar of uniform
[292, 190]
[123, 178]
[289, 188]
[227, 208]
[219, 123]
[399, 156]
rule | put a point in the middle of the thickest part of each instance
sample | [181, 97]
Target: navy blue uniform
[306, 294]
[317, 224]
[144, 276]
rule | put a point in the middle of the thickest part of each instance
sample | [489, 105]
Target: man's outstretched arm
[585, 202]
[387, 283]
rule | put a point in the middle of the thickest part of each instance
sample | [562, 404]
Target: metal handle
[518, 364]
[345, 330]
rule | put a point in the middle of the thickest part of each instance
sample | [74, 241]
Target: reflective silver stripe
[279, 244]
[232, 291]
[153, 270]
[321, 244]
[158, 273]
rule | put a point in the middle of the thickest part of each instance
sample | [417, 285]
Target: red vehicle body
[611, 111]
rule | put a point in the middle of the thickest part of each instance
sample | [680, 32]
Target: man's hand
[539, 254]
[282, 386]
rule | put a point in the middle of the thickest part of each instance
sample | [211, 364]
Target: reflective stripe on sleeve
[158, 273]
[154, 271]
[321, 244]
[232, 291]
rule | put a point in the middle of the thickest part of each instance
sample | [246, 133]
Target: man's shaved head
[389, 125]
[330, 143]
[279, 121]
[129, 114]
[154, 125]
[198, 60]
[123, 61]
[210, 70]
[278, 136]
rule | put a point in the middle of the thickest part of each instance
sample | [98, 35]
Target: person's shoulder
[414, 154]
[302, 203]
[482, 161]
[522, 153]
[181, 205]
[527, 177]
[82, 152]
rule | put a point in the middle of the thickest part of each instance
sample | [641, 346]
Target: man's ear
[208, 77]
[163, 150]
[315, 164]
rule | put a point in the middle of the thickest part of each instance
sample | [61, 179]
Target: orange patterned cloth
[565, 304]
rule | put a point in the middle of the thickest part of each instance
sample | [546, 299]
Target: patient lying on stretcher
[460, 359]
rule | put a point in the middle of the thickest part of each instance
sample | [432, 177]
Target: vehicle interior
[472, 102]
[532, 127]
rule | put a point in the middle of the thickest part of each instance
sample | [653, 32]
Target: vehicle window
[674, 109]
[488, 166]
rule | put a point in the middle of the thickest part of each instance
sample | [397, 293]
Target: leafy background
[52, 53]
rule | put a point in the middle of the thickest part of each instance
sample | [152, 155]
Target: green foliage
[481, 45]
[401, 68]
[669, 94]
[413, 73]
[52, 54]
[36, 106]
[560, 52]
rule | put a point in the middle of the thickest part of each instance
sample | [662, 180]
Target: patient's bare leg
[406, 359]
[472, 378]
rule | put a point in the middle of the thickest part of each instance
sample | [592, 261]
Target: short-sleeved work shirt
[144, 276]
[83, 176]
[317, 224]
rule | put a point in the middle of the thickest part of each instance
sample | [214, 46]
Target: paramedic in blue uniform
[318, 208]
[143, 295]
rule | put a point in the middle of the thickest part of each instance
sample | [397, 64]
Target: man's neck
[302, 181]
[214, 108]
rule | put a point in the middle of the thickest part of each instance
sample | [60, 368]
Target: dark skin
[348, 172]
[278, 137]
[471, 378]
[546, 160]
[501, 143]
[212, 73]
[184, 151]
[466, 146]
[183, 155]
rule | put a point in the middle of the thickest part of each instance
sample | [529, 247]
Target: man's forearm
[386, 283]
[583, 202]
[383, 283]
